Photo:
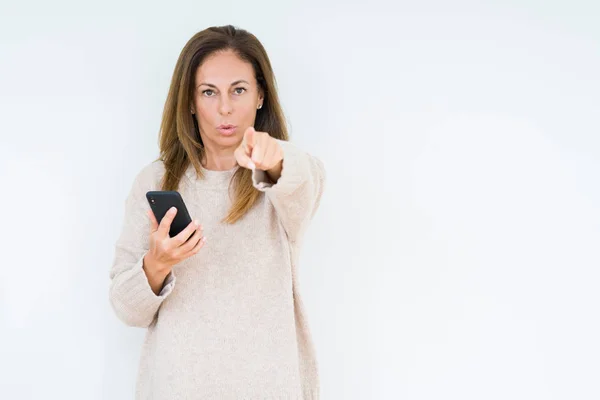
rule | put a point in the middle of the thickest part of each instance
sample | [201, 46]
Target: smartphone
[161, 201]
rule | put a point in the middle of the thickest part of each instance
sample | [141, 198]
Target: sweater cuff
[167, 286]
[135, 297]
[293, 172]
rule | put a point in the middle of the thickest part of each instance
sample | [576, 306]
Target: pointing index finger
[249, 138]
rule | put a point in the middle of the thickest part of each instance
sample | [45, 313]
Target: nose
[225, 105]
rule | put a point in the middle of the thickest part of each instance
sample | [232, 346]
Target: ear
[261, 95]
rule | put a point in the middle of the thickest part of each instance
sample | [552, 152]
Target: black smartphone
[161, 201]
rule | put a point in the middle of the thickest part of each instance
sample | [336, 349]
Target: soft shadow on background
[455, 253]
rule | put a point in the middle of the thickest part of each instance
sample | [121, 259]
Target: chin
[227, 140]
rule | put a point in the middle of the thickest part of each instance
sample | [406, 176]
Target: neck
[218, 159]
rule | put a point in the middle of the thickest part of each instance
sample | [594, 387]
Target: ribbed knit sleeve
[130, 293]
[297, 193]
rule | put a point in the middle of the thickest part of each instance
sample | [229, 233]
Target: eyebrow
[232, 84]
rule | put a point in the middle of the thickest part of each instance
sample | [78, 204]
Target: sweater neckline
[211, 177]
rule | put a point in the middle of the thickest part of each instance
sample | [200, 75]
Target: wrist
[155, 273]
[275, 173]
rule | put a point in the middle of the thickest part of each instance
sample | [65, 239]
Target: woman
[223, 314]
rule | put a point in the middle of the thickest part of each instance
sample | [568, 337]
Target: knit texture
[229, 322]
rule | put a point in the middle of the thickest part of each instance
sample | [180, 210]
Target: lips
[226, 129]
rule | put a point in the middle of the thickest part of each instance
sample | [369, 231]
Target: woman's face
[226, 93]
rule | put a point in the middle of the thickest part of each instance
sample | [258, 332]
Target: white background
[456, 251]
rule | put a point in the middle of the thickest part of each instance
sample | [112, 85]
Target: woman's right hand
[165, 252]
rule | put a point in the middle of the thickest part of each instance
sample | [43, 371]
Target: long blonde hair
[179, 140]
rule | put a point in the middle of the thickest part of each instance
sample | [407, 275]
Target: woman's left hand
[259, 150]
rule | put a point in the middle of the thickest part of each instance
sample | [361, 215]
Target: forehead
[223, 68]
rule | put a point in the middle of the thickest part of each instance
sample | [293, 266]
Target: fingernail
[251, 165]
[172, 210]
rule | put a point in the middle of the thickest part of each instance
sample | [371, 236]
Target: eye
[239, 88]
[205, 92]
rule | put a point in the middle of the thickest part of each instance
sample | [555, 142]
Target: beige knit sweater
[229, 322]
